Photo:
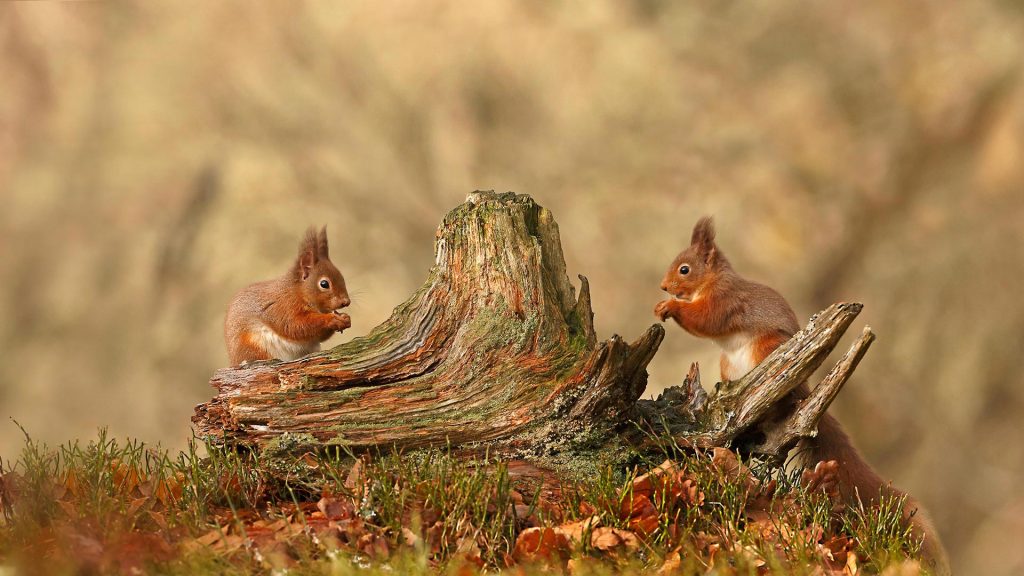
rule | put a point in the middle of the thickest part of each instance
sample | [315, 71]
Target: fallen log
[497, 353]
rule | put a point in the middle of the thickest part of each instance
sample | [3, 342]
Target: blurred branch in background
[924, 152]
[154, 159]
[180, 240]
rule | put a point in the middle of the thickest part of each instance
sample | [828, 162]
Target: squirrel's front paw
[663, 310]
[341, 321]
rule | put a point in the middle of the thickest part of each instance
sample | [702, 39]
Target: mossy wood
[496, 352]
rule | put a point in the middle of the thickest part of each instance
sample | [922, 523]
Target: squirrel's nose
[345, 301]
[664, 286]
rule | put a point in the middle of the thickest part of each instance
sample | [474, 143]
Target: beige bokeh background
[155, 157]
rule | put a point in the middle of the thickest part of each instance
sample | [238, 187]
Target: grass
[122, 507]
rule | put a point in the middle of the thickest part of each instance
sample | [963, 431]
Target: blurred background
[156, 157]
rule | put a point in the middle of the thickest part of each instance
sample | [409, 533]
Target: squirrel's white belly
[737, 355]
[282, 348]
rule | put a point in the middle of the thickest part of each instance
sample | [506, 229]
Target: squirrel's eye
[325, 284]
[684, 269]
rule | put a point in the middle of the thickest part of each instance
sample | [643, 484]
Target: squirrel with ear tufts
[289, 317]
[748, 321]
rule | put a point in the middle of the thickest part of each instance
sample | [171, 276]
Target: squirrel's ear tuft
[703, 232]
[309, 254]
[703, 239]
[321, 243]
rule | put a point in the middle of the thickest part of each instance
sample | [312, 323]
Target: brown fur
[767, 343]
[294, 308]
[711, 301]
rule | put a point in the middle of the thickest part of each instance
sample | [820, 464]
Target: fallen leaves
[650, 506]
[534, 544]
[703, 512]
[669, 484]
[673, 561]
[644, 518]
[824, 478]
[614, 541]
[732, 469]
[577, 532]
[335, 508]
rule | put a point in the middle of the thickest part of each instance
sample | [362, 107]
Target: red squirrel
[748, 321]
[290, 316]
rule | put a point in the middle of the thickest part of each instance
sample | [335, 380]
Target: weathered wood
[803, 422]
[719, 419]
[495, 352]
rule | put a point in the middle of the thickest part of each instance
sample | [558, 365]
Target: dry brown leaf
[230, 482]
[352, 529]
[763, 505]
[168, 490]
[210, 538]
[220, 539]
[335, 508]
[286, 527]
[645, 525]
[435, 537]
[575, 531]
[667, 484]
[468, 550]
[765, 526]
[71, 483]
[373, 545]
[69, 508]
[354, 481]
[135, 505]
[540, 544]
[526, 513]
[805, 536]
[158, 519]
[614, 540]
[125, 477]
[233, 542]
[673, 561]
[667, 477]
[638, 505]
[732, 469]
[712, 552]
[851, 565]
[689, 492]
[429, 515]
[835, 551]
[645, 484]
[310, 460]
[824, 478]
[410, 538]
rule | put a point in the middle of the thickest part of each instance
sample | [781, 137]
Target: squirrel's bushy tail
[858, 482]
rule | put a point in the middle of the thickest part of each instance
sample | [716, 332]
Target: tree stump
[495, 352]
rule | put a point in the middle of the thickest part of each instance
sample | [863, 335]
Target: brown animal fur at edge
[288, 317]
[748, 321]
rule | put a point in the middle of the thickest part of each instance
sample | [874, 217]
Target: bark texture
[496, 352]
[751, 413]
